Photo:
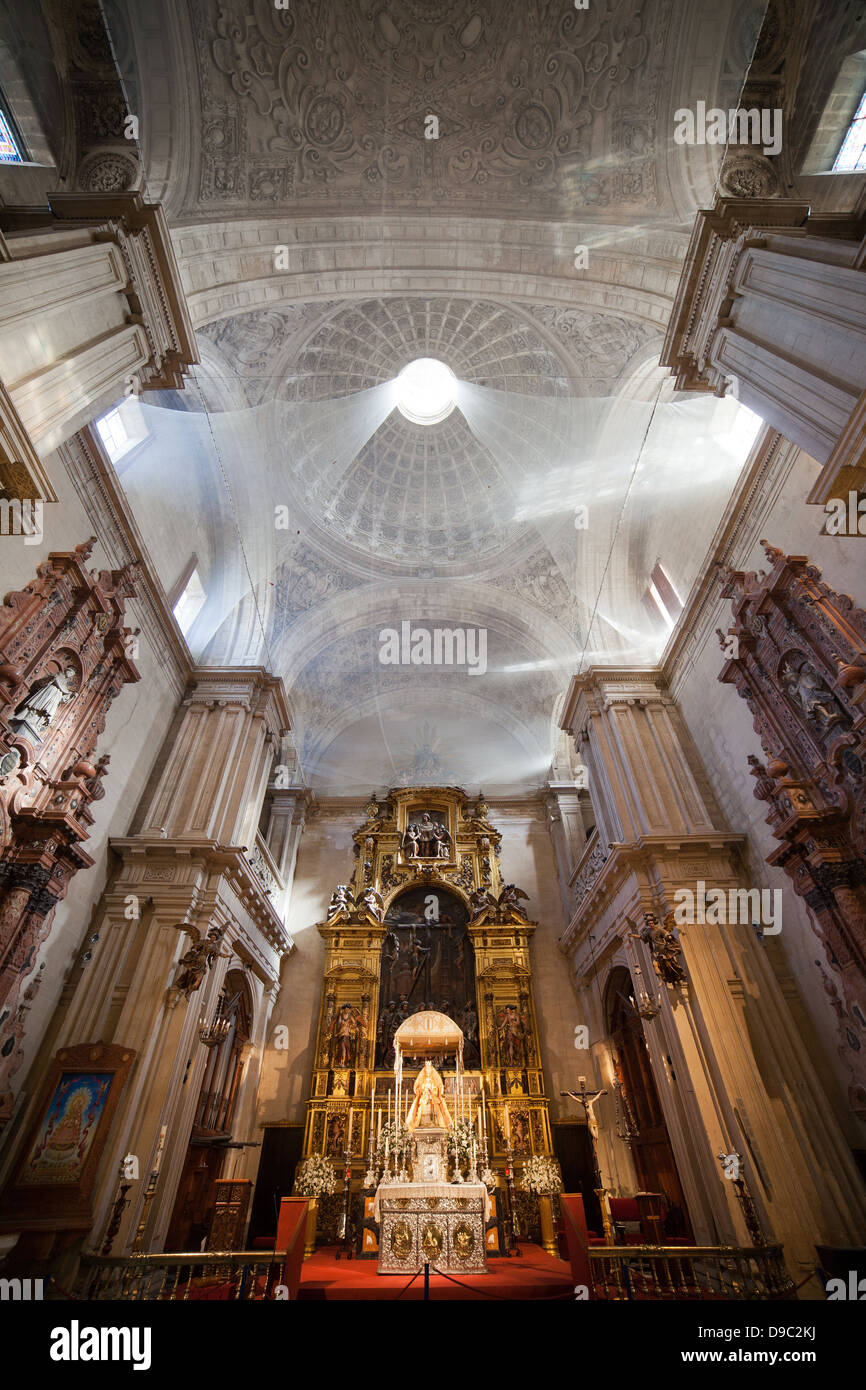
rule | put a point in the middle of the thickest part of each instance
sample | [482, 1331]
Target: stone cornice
[252, 686]
[142, 233]
[643, 682]
[652, 857]
[212, 857]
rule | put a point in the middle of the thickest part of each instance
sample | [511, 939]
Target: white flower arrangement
[488, 1177]
[460, 1139]
[399, 1137]
[541, 1175]
[315, 1177]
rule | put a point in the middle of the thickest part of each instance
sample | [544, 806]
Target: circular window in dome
[426, 391]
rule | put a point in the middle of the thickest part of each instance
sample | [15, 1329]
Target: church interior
[433, 650]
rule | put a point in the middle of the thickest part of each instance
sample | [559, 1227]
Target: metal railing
[242, 1275]
[674, 1272]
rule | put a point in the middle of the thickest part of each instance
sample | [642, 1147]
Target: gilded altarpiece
[799, 662]
[65, 655]
[426, 922]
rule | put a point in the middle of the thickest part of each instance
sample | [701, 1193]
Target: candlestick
[507, 1127]
[379, 1130]
[351, 1123]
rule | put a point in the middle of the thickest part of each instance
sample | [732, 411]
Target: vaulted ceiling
[325, 241]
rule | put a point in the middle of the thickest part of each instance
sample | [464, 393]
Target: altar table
[442, 1220]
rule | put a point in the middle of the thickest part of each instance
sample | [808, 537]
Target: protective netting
[291, 518]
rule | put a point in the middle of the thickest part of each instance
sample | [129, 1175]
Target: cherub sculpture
[371, 899]
[479, 901]
[341, 900]
[509, 899]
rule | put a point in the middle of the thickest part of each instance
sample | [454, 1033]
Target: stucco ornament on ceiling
[323, 100]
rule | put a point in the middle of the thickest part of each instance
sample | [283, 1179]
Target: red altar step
[534, 1274]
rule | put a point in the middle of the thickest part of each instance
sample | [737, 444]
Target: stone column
[183, 871]
[91, 309]
[289, 807]
[567, 832]
[730, 1068]
[773, 301]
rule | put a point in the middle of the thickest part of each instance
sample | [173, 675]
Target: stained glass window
[852, 154]
[10, 149]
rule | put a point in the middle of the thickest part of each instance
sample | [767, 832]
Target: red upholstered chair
[626, 1220]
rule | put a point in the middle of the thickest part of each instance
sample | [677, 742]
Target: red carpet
[535, 1274]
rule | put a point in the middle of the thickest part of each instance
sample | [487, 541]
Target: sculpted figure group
[426, 839]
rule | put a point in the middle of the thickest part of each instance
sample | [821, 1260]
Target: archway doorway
[651, 1146]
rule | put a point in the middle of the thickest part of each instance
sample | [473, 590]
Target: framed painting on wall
[57, 1165]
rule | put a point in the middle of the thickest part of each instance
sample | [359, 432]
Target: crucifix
[589, 1100]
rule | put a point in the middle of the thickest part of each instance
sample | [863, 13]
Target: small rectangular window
[661, 600]
[11, 144]
[121, 429]
[852, 153]
[190, 603]
[667, 594]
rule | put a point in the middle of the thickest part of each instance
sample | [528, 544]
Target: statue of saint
[428, 1107]
[813, 696]
[39, 708]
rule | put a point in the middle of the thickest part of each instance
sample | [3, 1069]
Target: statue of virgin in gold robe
[428, 1107]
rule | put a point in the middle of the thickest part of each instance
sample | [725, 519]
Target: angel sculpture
[341, 900]
[479, 901]
[509, 899]
[664, 948]
[372, 900]
[199, 958]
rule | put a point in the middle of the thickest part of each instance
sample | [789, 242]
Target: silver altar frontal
[440, 1221]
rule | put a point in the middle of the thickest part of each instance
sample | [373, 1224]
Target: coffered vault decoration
[306, 127]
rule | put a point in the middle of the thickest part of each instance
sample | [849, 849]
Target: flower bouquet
[394, 1142]
[315, 1177]
[460, 1141]
[541, 1175]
